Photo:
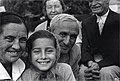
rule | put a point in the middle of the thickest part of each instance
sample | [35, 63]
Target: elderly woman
[50, 9]
[44, 53]
[13, 36]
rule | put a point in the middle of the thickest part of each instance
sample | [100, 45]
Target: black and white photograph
[59, 40]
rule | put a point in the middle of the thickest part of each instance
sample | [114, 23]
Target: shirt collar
[51, 74]
[103, 17]
[2, 9]
[17, 69]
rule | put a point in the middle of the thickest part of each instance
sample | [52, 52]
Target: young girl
[44, 52]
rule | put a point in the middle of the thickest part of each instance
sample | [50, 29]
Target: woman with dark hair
[13, 37]
[44, 52]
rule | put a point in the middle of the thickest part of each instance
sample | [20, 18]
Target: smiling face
[66, 33]
[53, 7]
[99, 7]
[43, 54]
[12, 42]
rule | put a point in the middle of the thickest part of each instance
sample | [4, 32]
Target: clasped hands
[92, 72]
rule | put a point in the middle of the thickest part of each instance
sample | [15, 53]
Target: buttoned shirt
[101, 21]
[17, 69]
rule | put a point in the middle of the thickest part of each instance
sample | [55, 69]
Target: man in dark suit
[100, 42]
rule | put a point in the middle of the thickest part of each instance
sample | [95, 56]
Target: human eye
[49, 7]
[9, 38]
[36, 51]
[50, 50]
[73, 36]
[23, 40]
[62, 34]
[57, 6]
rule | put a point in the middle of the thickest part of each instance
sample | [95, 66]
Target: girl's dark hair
[9, 17]
[39, 34]
[42, 34]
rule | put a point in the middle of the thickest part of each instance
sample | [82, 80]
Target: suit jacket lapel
[109, 19]
[93, 27]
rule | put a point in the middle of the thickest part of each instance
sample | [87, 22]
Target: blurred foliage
[34, 7]
[23, 7]
[31, 10]
[78, 7]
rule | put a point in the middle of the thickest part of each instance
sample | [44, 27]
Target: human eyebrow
[49, 6]
[36, 50]
[73, 35]
[23, 39]
[63, 34]
[56, 6]
[50, 49]
[9, 38]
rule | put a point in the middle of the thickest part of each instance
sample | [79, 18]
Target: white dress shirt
[2, 9]
[101, 21]
[17, 68]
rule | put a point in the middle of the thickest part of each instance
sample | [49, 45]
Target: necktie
[101, 24]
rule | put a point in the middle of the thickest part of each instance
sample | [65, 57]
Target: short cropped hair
[8, 17]
[61, 18]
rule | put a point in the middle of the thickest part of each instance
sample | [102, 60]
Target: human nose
[53, 9]
[67, 40]
[43, 55]
[16, 45]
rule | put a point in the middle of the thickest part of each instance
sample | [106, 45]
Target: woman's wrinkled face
[12, 42]
[43, 54]
[53, 7]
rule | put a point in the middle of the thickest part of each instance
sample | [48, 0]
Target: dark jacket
[106, 44]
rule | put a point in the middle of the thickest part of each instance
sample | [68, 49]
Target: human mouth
[95, 7]
[43, 62]
[52, 16]
[13, 53]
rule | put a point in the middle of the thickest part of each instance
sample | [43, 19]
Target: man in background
[100, 42]
[66, 29]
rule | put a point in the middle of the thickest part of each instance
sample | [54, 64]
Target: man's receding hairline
[63, 21]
